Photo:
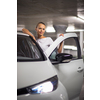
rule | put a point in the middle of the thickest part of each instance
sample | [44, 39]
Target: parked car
[48, 75]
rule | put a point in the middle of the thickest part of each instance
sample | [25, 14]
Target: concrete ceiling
[51, 12]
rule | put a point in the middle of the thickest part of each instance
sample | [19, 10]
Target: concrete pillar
[81, 41]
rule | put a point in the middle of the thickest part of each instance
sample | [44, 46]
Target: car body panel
[29, 73]
[70, 73]
[70, 77]
[19, 33]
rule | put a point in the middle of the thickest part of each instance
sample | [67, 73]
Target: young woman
[43, 41]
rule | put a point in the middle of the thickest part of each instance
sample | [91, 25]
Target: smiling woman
[43, 41]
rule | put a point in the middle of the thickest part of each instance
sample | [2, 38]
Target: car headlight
[42, 88]
[46, 86]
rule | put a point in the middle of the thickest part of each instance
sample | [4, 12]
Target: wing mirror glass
[63, 57]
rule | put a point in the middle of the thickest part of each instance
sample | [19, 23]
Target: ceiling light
[70, 47]
[76, 30]
[50, 29]
[20, 27]
[71, 27]
[79, 18]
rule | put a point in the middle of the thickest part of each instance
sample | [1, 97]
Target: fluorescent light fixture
[81, 17]
[70, 47]
[20, 27]
[76, 30]
[71, 27]
[50, 29]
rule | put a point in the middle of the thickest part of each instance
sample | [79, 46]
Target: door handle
[80, 69]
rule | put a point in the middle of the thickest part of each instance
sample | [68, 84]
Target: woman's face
[40, 29]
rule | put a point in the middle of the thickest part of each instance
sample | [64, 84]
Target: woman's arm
[28, 32]
[61, 44]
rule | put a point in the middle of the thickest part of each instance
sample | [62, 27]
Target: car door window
[27, 49]
[70, 46]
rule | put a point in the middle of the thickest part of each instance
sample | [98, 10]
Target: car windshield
[27, 50]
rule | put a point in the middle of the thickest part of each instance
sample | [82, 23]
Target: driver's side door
[70, 71]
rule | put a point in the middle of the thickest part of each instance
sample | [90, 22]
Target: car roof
[21, 33]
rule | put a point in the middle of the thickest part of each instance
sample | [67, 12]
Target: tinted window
[27, 49]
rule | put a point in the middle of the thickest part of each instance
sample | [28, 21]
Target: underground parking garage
[59, 16]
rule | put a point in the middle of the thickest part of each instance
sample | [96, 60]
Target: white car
[49, 75]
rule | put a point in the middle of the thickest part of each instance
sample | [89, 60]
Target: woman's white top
[44, 42]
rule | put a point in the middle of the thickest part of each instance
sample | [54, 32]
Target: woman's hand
[61, 45]
[61, 35]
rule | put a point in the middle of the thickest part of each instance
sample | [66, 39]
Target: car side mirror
[63, 57]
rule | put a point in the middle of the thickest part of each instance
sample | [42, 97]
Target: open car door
[69, 64]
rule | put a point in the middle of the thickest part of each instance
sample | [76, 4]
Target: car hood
[30, 73]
